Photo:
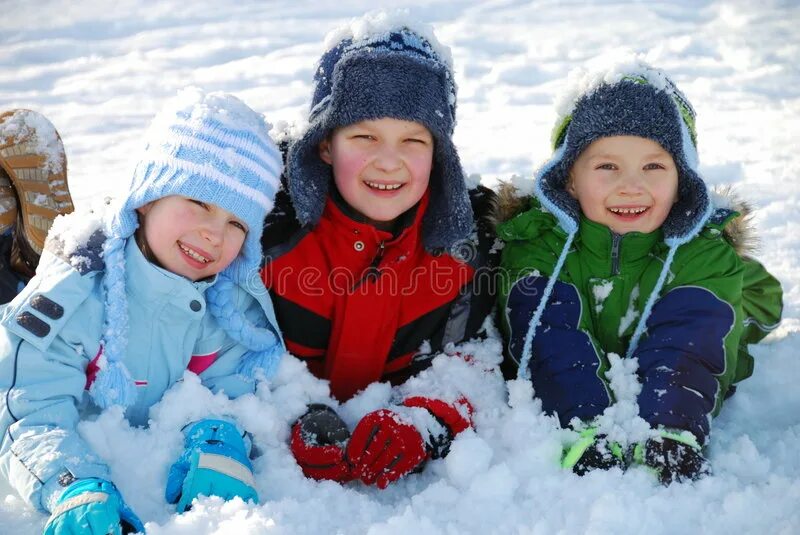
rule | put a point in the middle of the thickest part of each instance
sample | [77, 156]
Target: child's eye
[606, 166]
[417, 140]
[364, 136]
[653, 165]
[240, 226]
[199, 203]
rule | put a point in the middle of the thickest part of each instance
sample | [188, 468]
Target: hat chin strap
[523, 371]
[662, 277]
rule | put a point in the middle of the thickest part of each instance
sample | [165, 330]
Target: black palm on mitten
[674, 461]
[317, 443]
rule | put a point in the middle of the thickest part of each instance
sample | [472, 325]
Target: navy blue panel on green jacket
[683, 353]
[569, 387]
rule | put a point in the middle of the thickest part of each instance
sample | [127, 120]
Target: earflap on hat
[449, 218]
[309, 178]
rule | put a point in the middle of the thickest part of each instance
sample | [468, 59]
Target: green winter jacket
[607, 278]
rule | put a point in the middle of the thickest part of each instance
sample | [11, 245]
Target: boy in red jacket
[376, 258]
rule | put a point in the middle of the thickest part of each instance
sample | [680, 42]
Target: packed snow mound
[503, 476]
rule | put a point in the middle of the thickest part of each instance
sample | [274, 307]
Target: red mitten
[317, 443]
[384, 448]
[450, 419]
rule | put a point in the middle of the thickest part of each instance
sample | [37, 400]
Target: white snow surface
[621, 421]
[100, 75]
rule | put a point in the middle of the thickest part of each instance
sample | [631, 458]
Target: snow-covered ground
[100, 70]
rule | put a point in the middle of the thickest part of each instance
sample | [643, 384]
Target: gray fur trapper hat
[381, 67]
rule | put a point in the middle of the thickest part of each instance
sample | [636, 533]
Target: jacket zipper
[616, 244]
[373, 267]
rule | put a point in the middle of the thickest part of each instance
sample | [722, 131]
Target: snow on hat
[384, 65]
[213, 148]
[625, 98]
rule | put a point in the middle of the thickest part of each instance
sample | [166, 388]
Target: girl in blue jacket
[122, 304]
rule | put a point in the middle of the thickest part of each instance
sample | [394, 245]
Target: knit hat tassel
[265, 362]
[113, 385]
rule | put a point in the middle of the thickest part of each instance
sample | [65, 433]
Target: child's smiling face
[189, 237]
[381, 167]
[626, 183]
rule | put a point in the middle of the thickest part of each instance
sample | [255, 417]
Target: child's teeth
[375, 185]
[628, 210]
[195, 255]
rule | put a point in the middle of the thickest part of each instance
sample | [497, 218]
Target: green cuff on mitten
[683, 437]
[586, 440]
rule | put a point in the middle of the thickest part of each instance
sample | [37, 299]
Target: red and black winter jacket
[359, 304]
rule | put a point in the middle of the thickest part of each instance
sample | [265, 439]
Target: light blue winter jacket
[51, 332]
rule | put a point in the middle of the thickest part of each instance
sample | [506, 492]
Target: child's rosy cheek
[421, 166]
[349, 168]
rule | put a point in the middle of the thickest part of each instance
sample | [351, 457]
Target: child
[382, 270]
[122, 307]
[33, 191]
[623, 252]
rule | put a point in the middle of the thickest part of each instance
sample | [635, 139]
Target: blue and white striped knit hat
[624, 98]
[213, 148]
[384, 65]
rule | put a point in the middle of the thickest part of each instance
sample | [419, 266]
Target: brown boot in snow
[32, 155]
[8, 204]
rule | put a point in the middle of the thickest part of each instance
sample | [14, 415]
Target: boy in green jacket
[623, 252]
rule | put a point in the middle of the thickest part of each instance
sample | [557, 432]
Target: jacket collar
[409, 226]
[405, 220]
[599, 242]
[151, 283]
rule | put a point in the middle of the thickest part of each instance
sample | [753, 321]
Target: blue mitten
[214, 463]
[92, 506]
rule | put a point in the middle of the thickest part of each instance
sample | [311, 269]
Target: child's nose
[631, 183]
[387, 159]
[212, 232]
